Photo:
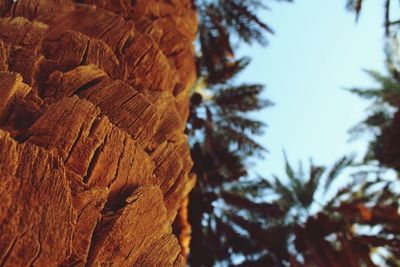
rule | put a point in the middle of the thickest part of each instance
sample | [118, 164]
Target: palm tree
[221, 22]
[220, 133]
[220, 130]
[293, 223]
[359, 227]
[253, 220]
[94, 161]
[382, 120]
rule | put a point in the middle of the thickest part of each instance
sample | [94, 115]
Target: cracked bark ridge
[94, 164]
[36, 208]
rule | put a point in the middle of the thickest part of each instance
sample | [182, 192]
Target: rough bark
[94, 164]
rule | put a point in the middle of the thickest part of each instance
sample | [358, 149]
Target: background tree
[221, 143]
[237, 220]
[220, 128]
[294, 223]
[360, 223]
[266, 212]
[381, 121]
[382, 115]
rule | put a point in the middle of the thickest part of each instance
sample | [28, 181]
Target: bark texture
[94, 164]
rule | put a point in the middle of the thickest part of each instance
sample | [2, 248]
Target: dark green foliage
[388, 91]
[221, 130]
[299, 193]
[222, 134]
[259, 222]
[220, 23]
[275, 223]
[382, 121]
[317, 233]
[389, 23]
[366, 204]
[379, 122]
[254, 219]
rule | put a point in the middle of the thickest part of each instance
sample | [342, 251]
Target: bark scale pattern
[94, 164]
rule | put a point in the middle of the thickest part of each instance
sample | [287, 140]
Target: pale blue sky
[317, 50]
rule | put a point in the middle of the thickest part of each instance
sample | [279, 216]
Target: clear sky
[317, 50]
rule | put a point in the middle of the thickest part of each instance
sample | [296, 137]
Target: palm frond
[242, 98]
[242, 123]
[242, 203]
[252, 187]
[337, 169]
[285, 193]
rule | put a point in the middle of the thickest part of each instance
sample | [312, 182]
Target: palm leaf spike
[242, 98]
[357, 8]
[244, 10]
[311, 185]
[296, 179]
[285, 193]
[215, 16]
[337, 169]
[243, 123]
[288, 168]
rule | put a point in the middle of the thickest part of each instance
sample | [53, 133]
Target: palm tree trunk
[94, 164]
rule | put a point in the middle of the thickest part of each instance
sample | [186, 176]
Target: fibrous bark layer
[94, 164]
